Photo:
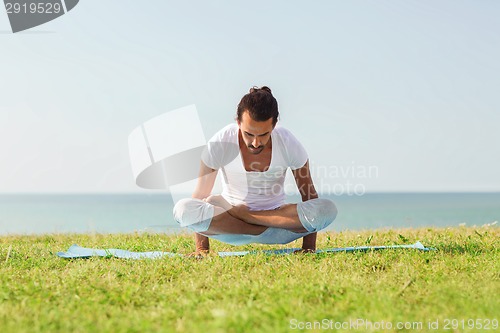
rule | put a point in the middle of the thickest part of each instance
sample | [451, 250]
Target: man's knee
[194, 214]
[316, 214]
[181, 210]
[330, 211]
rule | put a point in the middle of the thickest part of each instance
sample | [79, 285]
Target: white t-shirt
[257, 190]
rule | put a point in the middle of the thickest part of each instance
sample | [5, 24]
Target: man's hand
[309, 243]
[304, 251]
[198, 254]
[202, 246]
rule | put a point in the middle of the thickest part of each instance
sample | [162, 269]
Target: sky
[386, 96]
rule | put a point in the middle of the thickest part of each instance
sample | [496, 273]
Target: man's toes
[218, 200]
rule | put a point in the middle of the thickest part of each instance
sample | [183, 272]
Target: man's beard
[254, 150]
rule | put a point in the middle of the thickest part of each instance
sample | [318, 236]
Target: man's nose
[256, 143]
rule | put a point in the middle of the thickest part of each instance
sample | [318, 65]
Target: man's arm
[204, 186]
[307, 191]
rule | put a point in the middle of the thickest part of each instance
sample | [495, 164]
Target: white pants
[314, 214]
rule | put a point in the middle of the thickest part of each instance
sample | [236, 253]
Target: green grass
[40, 292]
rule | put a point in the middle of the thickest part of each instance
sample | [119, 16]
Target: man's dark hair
[260, 104]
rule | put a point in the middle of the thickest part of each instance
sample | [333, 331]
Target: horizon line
[295, 194]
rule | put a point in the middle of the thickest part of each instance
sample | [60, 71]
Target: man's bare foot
[219, 201]
[239, 211]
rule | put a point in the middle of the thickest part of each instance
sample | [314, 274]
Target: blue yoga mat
[76, 251]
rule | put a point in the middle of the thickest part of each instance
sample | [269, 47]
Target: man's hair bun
[263, 88]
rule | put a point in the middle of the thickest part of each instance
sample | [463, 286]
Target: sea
[34, 214]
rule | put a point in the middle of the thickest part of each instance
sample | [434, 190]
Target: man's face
[255, 134]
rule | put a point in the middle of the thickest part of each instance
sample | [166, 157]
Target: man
[253, 156]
